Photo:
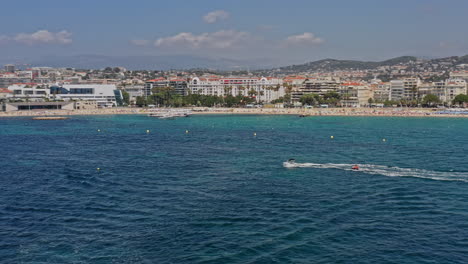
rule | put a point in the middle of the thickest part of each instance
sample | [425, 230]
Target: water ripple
[219, 195]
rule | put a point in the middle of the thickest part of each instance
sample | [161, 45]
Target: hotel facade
[262, 88]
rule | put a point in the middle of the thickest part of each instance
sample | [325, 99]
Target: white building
[135, 90]
[263, 89]
[319, 86]
[106, 95]
[205, 86]
[178, 84]
[29, 91]
[404, 89]
[7, 79]
[382, 91]
[425, 89]
[446, 90]
[454, 87]
[354, 94]
[411, 86]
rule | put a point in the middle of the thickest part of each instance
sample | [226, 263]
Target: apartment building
[382, 91]
[354, 94]
[263, 89]
[318, 86]
[406, 89]
[454, 87]
[178, 84]
[12, 78]
[29, 92]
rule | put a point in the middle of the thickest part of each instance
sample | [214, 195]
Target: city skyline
[284, 33]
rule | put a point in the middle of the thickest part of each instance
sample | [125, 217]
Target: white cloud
[306, 38]
[140, 42]
[223, 39]
[44, 37]
[214, 16]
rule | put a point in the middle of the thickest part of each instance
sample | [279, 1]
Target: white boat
[290, 163]
[171, 114]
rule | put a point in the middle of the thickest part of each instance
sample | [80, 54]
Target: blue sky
[289, 31]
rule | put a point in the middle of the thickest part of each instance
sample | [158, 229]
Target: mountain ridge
[189, 62]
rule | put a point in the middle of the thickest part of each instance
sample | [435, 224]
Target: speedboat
[290, 163]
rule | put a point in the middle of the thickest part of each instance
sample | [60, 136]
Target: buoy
[186, 131]
[98, 169]
[332, 137]
[255, 134]
[384, 140]
[99, 130]
[147, 131]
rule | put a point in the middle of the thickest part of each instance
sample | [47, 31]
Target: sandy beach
[399, 112]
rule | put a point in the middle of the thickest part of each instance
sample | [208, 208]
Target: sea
[213, 189]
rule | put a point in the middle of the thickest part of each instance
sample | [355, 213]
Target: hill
[333, 64]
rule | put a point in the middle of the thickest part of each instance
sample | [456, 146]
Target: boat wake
[386, 171]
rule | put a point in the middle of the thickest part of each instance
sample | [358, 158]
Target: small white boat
[290, 163]
[170, 114]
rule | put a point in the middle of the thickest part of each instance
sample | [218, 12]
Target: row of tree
[330, 98]
[174, 100]
[429, 100]
[333, 99]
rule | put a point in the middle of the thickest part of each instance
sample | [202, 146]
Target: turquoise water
[220, 194]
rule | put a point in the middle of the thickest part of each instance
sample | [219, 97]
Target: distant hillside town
[404, 81]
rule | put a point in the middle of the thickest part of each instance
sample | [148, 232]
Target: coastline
[383, 112]
[364, 112]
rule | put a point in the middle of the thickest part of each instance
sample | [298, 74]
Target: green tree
[277, 101]
[331, 98]
[287, 98]
[309, 99]
[414, 92]
[126, 97]
[140, 101]
[430, 100]
[460, 99]
[389, 103]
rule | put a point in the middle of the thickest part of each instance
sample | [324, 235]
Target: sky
[292, 31]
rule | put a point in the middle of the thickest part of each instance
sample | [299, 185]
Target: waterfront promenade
[402, 112]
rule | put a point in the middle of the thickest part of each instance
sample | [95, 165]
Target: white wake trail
[386, 171]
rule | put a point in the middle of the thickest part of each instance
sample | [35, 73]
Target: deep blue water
[219, 194]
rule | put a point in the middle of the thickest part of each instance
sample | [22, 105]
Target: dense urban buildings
[405, 83]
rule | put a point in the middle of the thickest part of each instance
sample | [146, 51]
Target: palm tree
[414, 92]
[227, 90]
[260, 97]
